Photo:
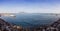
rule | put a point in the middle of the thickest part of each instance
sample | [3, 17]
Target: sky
[30, 6]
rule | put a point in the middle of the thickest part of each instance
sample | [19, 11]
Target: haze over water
[31, 19]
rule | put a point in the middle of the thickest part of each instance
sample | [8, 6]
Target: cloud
[30, 7]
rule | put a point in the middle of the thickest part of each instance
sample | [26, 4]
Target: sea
[31, 19]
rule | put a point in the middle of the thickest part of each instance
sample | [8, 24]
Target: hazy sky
[30, 6]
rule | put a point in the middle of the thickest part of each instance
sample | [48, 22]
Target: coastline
[5, 26]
